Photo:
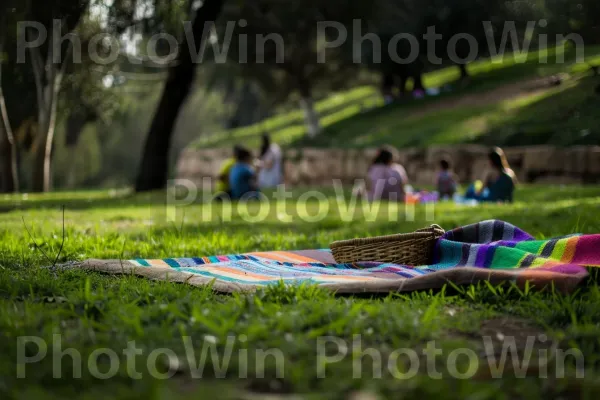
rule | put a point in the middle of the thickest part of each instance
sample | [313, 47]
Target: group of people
[387, 179]
[243, 175]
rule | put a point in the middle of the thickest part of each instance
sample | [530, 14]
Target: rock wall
[313, 166]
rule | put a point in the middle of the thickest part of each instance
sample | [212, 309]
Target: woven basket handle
[436, 230]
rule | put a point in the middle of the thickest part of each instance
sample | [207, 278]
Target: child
[446, 180]
[242, 177]
[222, 185]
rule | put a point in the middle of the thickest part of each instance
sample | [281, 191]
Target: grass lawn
[92, 311]
[357, 118]
[561, 116]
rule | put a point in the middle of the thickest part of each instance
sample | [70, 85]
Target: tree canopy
[258, 55]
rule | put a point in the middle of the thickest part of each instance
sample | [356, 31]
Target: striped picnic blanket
[491, 250]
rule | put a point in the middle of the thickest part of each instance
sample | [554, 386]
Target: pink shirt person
[386, 179]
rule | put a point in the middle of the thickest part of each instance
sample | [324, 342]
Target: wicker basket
[405, 248]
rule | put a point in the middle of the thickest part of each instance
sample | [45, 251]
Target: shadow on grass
[80, 200]
[569, 117]
[392, 123]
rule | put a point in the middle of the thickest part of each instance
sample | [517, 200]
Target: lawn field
[289, 325]
[498, 105]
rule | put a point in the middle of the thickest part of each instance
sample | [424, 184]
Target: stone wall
[313, 166]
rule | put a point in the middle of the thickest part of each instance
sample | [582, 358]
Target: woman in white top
[271, 173]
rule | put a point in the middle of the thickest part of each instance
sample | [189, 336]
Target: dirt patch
[504, 92]
[498, 330]
[508, 337]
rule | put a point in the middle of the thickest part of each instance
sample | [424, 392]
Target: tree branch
[38, 68]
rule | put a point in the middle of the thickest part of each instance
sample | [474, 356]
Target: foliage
[112, 120]
[355, 118]
[581, 17]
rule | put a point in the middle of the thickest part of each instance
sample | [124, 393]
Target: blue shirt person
[242, 177]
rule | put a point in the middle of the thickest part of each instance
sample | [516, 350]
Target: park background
[535, 92]
[129, 127]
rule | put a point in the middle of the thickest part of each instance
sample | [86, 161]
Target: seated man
[242, 177]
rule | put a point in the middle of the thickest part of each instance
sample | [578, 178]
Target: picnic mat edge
[435, 280]
[493, 251]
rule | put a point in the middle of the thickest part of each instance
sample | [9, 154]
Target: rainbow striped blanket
[492, 250]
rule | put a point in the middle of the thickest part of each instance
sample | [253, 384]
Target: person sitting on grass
[222, 185]
[386, 179]
[271, 158]
[446, 180]
[242, 177]
[498, 184]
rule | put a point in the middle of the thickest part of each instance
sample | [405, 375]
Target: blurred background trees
[123, 122]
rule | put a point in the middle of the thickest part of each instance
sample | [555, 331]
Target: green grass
[94, 311]
[356, 118]
[562, 116]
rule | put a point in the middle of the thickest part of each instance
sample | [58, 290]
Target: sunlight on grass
[92, 310]
[349, 106]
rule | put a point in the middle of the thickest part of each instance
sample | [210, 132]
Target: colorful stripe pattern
[492, 245]
[499, 245]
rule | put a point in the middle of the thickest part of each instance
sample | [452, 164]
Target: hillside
[505, 103]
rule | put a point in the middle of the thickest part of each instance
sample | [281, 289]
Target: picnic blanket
[493, 250]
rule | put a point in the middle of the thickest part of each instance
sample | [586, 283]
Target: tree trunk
[402, 85]
[9, 177]
[37, 171]
[247, 107]
[153, 171]
[464, 73]
[42, 164]
[9, 172]
[387, 86]
[48, 148]
[418, 82]
[71, 180]
[76, 121]
[311, 117]
[48, 79]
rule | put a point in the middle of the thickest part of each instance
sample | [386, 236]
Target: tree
[246, 101]
[581, 17]
[57, 18]
[277, 43]
[465, 18]
[154, 166]
[396, 60]
[87, 99]
[459, 25]
[9, 173]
